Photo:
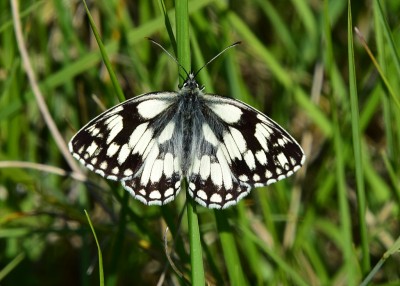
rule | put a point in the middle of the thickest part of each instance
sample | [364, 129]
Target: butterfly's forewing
[130, 143]
[245, 149]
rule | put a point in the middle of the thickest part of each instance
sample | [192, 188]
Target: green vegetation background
[331, 224]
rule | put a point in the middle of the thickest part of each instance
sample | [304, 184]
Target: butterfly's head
[190, 82]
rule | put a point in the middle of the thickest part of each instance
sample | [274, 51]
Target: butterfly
[221, 146]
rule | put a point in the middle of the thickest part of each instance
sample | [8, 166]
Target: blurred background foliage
[293, 64]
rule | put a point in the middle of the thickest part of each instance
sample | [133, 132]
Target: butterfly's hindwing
[211, 181]
[159, 181]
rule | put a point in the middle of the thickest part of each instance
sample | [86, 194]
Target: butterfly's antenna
[221, 52]
[169, 54]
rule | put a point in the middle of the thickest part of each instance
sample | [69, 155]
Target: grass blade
[10, 266]
[183, 49]
[231, 256]
[101, 271]
[392, 250]
[106, 60]
[357, 147]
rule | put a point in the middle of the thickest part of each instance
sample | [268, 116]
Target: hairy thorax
[189, 121]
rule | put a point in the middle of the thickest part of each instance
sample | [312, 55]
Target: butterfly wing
[158, 181]
[131, 143]
[244, 149]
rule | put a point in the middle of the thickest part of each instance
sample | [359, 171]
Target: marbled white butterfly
[223, 147]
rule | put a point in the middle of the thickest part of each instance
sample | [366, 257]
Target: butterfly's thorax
[188, 118]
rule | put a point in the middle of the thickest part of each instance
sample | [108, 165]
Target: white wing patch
[216, 174]
[112, 149]
[228, 113]
[151, 108]
[137, 134]
[205, 167]
[249, 159]
[209, 135]
[92, 148]
[166, 134]
[114, 125]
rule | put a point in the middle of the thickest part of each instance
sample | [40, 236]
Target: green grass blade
[23, 14]
[357, 147]
[182, 37]
[117, 250]
[280, 261]
[168, 25]
[304, 10]
[389, 37]
[392, 175]
[253, 257]
[280, 74]
[338, 143]
[392, 250]
[231, 256]
[101, 271]
[344, 211]
[10, 266]
[379, 69]
[279, 25]
[196, 251]
[383, 60]
[107, 62]
[183, 50]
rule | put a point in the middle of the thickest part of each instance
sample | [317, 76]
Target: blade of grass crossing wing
[183, 50]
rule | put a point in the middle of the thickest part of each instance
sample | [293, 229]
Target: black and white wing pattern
[241, 149]
[223, 147]
[131, 143]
